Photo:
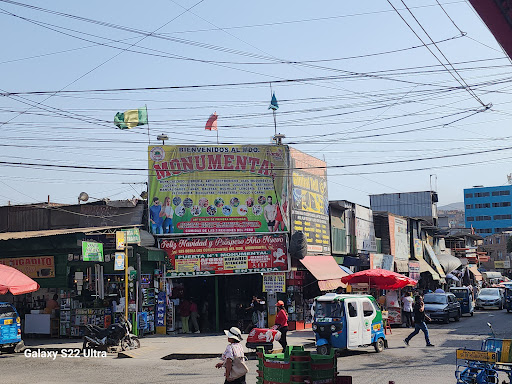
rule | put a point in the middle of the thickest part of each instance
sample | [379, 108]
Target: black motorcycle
[116, 335]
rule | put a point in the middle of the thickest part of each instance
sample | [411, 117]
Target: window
[468, 195]
[352, 310]
[502, 217]
[501, 193]
[485, 205]
[367, 308]
[7, 311]
[485, 230]
[483, 218]
[469, 206]
[470, 218]
[482, 194]
[497, 240]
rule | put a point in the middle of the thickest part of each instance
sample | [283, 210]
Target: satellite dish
[83, 196]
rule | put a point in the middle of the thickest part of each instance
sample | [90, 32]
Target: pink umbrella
[379, 278]
[15, 281]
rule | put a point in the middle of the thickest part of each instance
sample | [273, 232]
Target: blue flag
[273, 103]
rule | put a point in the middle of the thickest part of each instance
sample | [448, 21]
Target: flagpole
[149, 136]
[273, 112]
[217, 135]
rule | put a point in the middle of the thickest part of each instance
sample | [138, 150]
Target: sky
[355, 83]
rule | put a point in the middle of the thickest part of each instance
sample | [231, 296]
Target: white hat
[234, 333]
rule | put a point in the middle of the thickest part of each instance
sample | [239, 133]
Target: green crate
[277, 375]
[323, 374]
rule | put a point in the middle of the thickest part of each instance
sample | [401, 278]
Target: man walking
[419, 322]
[408, 302]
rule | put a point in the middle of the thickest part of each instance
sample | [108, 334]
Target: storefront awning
[449, 262]
[425, 267]
[56, 232]
[476, 273]
[326, 271]
[433, 258]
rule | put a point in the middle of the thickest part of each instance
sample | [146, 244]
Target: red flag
[211, 124]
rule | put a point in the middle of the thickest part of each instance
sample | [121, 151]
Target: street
[399, 363]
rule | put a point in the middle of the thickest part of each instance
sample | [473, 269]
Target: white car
[490, 298]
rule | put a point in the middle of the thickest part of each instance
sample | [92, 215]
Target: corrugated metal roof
[55, 232]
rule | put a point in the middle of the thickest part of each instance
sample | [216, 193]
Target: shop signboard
[132, 236]
[399, 242]
[365, 231]
[203, 256]
[214, 189]
[274, 282]
[310, 203]
[120, 240]
[119, 261]
[505, 264]
[92, 251]
[379, 260]
[414, 270]
[418, 249]
[35, 267]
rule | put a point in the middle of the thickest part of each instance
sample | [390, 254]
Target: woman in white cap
[233, 358]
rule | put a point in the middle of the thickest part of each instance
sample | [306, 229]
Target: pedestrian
[233, 358]
[194, 315]
[419, 322]
[281, 323]
[258, 306]
[408, 302]
[184, 309]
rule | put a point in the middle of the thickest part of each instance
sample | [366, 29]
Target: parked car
[490, 298]
[442, 306]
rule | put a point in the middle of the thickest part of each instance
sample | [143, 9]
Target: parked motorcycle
[116, 335]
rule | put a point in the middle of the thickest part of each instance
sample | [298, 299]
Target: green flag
[132, 118]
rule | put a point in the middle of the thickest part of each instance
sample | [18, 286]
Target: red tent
[15, 281]
[379, 278]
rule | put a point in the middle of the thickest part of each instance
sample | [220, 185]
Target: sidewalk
[171, 347]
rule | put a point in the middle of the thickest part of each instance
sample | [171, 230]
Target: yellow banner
[37, 267]
[464, 354]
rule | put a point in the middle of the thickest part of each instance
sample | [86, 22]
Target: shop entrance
[221, 300]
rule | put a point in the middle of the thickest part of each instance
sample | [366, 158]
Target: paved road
[405, 365]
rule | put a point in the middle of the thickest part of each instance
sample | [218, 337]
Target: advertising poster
[379, 260]
[225, 255]
[414, 270]
[218, 189]
[92, 251]
[365, 231]
[418, 249]
[37, 267]
[274, 282]
[399, 242]
[119, 261]
[310, 203]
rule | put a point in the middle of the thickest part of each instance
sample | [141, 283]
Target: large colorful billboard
[310, 203]
[216, 189]
[199, 256]
[36, 267]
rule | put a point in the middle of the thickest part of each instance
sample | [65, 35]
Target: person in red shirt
[281, 323]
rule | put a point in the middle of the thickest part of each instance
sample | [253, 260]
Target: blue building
[488, 209]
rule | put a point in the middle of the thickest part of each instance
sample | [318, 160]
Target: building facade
[422, 205]
[496, 247]
[488, 209]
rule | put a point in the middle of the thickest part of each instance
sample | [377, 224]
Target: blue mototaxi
[10, 327]
[465, 298]
[347, 322]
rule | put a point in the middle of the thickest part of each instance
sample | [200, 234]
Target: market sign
[92, 251]
[120, 240]
[505, 264]
[414, 270]
[212, 189]
[274, 282]
[399, 242]
[132, 235]
[36, 267]
[379, 260]
[225, 255]
[310, 204]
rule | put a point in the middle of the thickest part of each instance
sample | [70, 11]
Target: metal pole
[217, 318]
[149, 136]
[217, 136]
[126, 283]
[275, 124]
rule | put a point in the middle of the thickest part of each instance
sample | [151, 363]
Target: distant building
[420, 205]
[452, 218]
[488, 209]
[496, 247]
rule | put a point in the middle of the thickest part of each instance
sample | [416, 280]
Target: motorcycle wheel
[130, 343]
[135, 342]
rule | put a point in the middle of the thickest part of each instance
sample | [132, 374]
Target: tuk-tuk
[347, 322]
[10, 327]
[465, 298]
[508, 297]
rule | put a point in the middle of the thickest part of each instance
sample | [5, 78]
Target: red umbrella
[15, 281]
[379, 278]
